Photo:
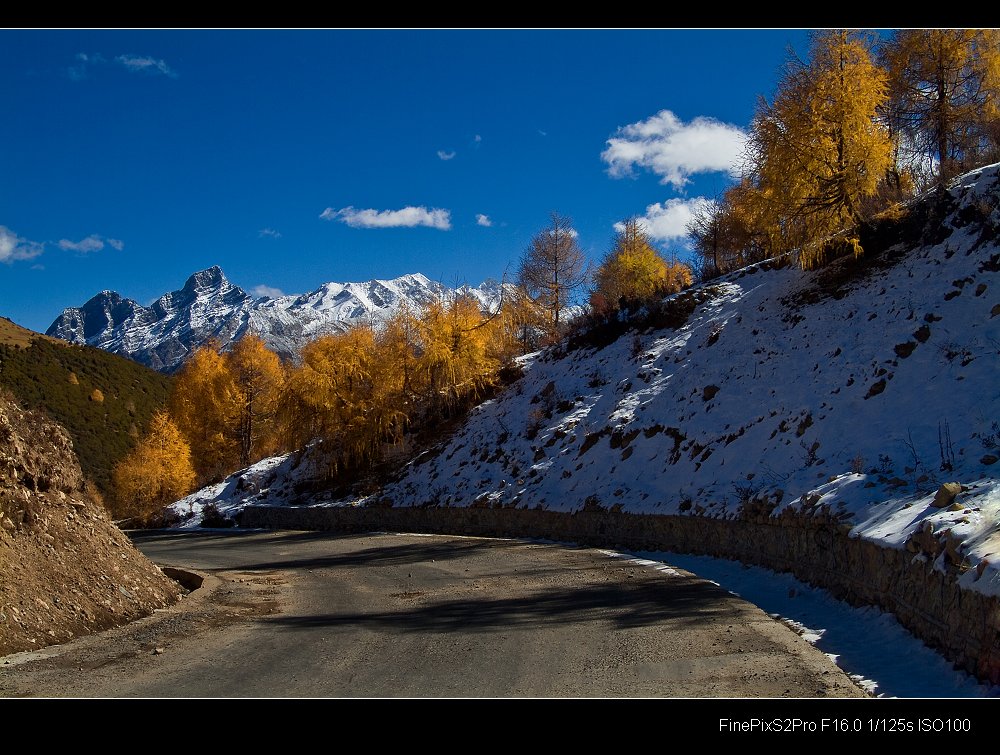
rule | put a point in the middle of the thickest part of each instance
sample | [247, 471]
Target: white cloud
[446, 155]
[79, 70]
[477, 138]
[134, 63]
[668, 221]
[263, 290]
[675, 150]
[89, 244]
[145, 64]
[268, 232]
[408, 217]
[14, 247]
[93, 243]
[483, 220]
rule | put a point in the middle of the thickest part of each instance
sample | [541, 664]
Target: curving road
[296, 614]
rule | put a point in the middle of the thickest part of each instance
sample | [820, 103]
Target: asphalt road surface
[297, 614]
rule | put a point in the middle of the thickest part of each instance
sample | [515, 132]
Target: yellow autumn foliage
[634, 270]
[203, 403]
[156, 473]
[257, 376]
[944, 89]
[819, 148]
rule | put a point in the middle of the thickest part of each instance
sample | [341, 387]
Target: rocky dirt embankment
[65, 568]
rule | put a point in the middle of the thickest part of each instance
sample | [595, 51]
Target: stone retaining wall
[961, 624]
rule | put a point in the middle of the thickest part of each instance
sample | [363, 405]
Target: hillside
[208, 306]
[104, 401]
[12, 334]
[853, 392]
[67, 570]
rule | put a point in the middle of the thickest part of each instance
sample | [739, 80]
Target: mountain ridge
[209, 306]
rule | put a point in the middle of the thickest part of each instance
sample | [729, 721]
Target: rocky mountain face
[67, 570]
[209, 306]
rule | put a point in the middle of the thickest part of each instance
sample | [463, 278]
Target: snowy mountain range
[208, 306]
[858, 389]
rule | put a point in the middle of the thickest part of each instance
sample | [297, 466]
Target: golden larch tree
[203, 403]
[398, 342]
[679, 276]
[521, 324]
[734, 231]
[157, 472]
[258, 376]
[818, 149]
[632, 270]
[456, 360]
[945, 97]
[347, 396]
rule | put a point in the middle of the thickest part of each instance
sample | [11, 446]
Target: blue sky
[290, 158]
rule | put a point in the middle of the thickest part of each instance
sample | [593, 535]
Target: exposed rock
[952, 548]
[989, 459]
[946, 494]
[709, 392]
[810, 499]
[875, 388]
[924, 540]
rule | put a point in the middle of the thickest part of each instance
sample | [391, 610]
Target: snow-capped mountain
[209, 306]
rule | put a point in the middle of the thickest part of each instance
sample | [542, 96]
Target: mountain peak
[107, 295]
[419, 278]
[211, 277]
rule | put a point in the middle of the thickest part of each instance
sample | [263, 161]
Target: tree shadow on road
[383, 555]
[684, 601]
[436, 548]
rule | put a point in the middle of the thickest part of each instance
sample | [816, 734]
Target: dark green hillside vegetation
[103, 400]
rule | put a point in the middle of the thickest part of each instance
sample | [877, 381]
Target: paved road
[295, 614]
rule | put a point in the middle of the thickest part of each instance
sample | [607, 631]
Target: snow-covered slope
[853, 390]
[209, 306]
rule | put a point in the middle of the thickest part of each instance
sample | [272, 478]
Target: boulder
[946, 494]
